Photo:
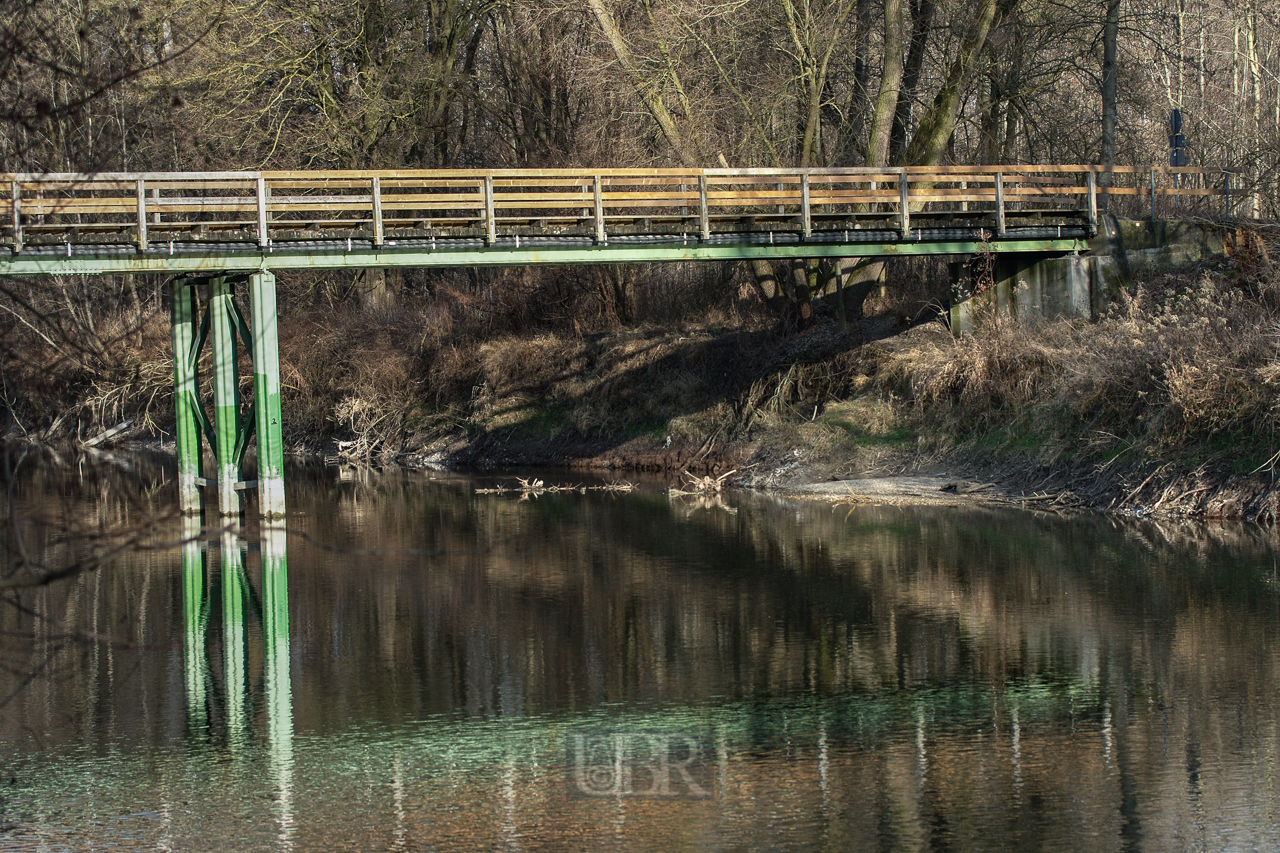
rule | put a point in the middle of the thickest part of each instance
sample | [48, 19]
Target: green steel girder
[283, 257]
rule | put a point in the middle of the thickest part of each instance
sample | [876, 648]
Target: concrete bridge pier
[223, 326]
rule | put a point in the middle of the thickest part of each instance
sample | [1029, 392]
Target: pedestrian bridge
[215, 233]
[213, 222]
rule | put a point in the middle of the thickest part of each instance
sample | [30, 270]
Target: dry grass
[1182, 361]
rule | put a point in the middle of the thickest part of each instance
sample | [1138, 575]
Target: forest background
[679, 365]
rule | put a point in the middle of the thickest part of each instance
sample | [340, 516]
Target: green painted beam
[184, 319]
[266, 394]
[226, 395]
[282, 257]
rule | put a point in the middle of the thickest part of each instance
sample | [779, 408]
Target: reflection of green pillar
[266, 394]
[184, 316]
[233, 639]
[226, 394]
[279, 689]
[194, 620]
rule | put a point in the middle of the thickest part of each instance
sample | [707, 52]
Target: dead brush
[706, 485]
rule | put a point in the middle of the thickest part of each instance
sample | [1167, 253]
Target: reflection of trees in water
[925, 670]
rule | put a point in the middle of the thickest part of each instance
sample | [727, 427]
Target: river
[411, 664]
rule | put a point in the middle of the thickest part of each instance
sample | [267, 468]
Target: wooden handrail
[269, 205]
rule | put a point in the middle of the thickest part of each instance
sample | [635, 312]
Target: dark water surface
[414, 666]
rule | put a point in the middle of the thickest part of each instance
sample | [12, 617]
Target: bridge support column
[266, 394]
[228, 441]
[184, 322]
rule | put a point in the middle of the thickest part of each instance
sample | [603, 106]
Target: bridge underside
[194, 257]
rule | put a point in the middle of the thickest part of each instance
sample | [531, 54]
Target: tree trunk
[921, 21]
[890, 83]
[1110, 39]
[930, 139]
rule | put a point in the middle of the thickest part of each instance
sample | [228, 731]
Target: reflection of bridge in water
[236, 596]
[219, 231]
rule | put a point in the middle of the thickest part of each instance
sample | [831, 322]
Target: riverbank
[1169, 405]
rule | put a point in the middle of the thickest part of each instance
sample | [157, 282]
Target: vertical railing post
[806, 217]
[17, 216]
[142, 215]
[704, 212]
[999, 179]
[377, 211]
[155, 202]
[226, 394]
[266, 394]
[1226, 190]
[597, 194]
[490, 218]
[1091, 179]
[904, 204]
[263, 235]
[184, 316]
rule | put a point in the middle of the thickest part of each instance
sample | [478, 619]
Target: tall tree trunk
[646, 87]
[890, 83]
[1110, 39]
[930, 139]
[921, 22]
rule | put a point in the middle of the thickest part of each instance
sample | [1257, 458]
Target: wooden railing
[265, 207]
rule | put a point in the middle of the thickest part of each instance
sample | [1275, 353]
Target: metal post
[704, 214]
[377, 211]
[597, 192]
[194, 616]
[1092, 180]
[266, 394]
[233, 638]
[17, 216]
[184, 315]
[263, 236]
[904, 207]
[142, 215]
[226, 395]
[1153, 197]
[491, 225]
[806, 218]
[999, 204]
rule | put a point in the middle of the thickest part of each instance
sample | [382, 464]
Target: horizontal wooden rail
[274, 206]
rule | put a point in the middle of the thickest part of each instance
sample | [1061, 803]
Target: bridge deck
[158, 221]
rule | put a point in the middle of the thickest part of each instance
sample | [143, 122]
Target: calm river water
[412, 665]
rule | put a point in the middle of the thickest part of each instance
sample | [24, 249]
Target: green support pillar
[194, 620]
[278, 703]
[184, 319]
[226, 394]
[233, 638]
[266, 394]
